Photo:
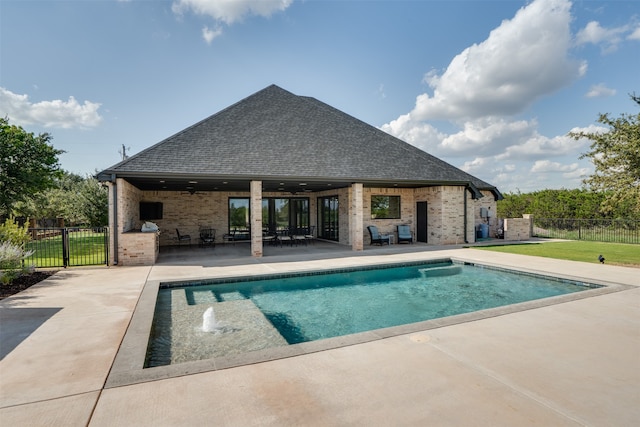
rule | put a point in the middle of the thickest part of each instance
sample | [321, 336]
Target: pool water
[317, 306]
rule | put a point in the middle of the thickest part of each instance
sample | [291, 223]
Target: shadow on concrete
[19, 323]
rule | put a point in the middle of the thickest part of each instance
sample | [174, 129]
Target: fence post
[65, 247]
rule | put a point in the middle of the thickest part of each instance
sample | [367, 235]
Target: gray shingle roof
[274, 133]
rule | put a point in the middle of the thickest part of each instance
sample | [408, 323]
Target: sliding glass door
[281, 213]
[328, 215]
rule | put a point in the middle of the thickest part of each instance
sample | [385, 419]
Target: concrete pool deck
[572, 363]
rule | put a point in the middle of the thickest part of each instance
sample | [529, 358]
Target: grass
[614, 253]
[85, 248]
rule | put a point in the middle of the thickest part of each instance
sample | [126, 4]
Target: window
[238, 214]
[385, 207]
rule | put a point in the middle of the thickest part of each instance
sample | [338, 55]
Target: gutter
[465, 215]
[115, 219]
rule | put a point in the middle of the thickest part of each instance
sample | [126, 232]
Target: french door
[328, 214]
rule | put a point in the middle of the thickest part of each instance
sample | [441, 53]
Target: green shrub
[12, 265]
[13, 233]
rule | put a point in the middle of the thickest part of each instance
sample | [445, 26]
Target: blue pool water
[316, 306]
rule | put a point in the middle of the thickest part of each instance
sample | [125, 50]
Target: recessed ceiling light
[224, 182]
[162, 181]
[193, 182]
[303, 183]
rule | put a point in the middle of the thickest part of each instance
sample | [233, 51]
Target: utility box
[486, 213]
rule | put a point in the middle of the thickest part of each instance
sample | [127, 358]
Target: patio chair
[311, 233]
[208, 237]
[269, 237]
[284, 236]
[377, 238]
[405, 234]
[298, 235]
[183, 238]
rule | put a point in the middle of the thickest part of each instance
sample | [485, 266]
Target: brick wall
[138, 248]
[518, 228]
[389, 226]
[191, 212]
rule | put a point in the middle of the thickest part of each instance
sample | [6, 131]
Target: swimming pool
[276, 311]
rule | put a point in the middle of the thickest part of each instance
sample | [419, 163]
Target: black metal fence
[599, 230]
[70, 246]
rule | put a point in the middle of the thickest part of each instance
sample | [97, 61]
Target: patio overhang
[289, 184]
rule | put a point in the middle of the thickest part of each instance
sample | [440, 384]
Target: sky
[492, 87]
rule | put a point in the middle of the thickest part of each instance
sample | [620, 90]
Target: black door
[421, 222]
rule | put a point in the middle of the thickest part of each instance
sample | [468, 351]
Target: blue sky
[492, 87]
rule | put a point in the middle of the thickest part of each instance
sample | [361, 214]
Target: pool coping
[128, 367]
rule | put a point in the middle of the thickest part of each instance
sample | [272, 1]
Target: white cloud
[549, 166]
[486, 85]
[57, 113]
[541, 147]
[607, 38]
[599, 91]
[485, 136]
[521, 60]
[209, 34]
[635, 35]
[228, 11]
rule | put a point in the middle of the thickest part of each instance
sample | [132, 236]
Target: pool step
[449, 270]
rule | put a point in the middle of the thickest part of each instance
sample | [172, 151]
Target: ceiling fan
[191, 191]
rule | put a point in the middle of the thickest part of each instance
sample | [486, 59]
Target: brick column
[356, 217]
[256, 218]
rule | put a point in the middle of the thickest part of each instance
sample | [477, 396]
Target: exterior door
[421, 222]
[328, 214]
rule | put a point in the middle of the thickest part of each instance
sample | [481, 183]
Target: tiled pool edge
[128, 365]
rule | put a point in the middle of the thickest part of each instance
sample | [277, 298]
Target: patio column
[256, 218]
[356, 217]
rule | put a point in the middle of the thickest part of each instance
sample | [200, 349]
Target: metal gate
[68, 247]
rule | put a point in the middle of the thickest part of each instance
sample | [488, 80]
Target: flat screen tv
[150, 211]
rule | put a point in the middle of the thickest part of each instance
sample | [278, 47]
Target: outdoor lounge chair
[404, 234]
[183, 238]
[377, 238]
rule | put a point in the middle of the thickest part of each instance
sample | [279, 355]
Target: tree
[616, 157]
[79, 201]
[28, 164]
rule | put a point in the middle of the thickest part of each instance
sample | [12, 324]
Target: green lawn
[85, 248]
[614, 253]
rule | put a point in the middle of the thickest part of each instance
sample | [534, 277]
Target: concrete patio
[573, 363]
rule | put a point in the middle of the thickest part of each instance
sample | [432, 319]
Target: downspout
[465, 215]
[115, 219]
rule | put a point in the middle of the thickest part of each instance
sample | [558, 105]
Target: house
[276, 160]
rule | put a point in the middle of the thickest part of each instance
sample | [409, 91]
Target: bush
[12, 265]
[11, 232]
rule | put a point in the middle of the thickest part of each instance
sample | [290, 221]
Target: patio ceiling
[287, 185]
